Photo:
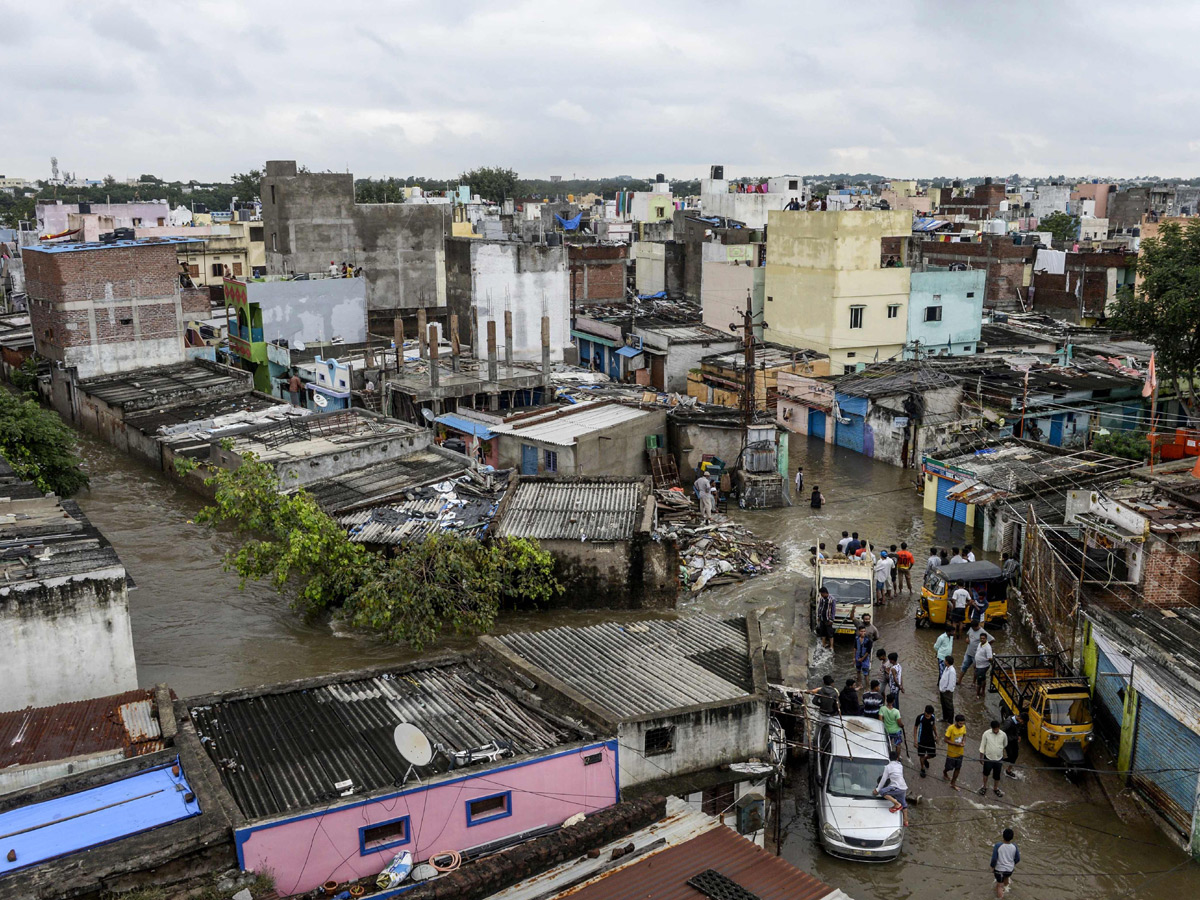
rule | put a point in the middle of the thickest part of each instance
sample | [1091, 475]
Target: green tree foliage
[1063, 227]
[13, 209]
[1123, 444]
[1165, 308]
[491, 182]
[427, 587]
[38, 446]
[246, 184]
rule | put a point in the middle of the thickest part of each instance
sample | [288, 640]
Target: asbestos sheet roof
[641, 668]
[279, 752]
[384, 481]
[117, 390]
[564, 427]
[122, 722]
[574, 509]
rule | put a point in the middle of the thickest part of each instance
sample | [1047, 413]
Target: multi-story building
[945, 312]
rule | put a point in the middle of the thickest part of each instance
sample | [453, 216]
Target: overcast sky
[205, 88]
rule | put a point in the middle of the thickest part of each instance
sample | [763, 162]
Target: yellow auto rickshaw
[980, 578]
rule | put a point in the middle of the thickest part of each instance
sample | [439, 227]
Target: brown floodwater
[194, 628]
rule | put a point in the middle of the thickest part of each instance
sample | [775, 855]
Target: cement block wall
[312, 310]
[66, 639]
[640, 573]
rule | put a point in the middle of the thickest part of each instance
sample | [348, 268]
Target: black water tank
[660, 178]
[988, 180]
[717, 173]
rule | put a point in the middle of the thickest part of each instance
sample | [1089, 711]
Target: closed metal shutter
[816, 423]
[1166, 763]
[1110, 707]
[850, 435]
[946, 506]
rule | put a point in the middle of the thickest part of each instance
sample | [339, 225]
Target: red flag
[1151, 384]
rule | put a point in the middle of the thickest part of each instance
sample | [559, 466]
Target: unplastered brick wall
[1171, 574]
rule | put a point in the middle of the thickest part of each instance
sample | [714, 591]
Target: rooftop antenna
[54, 168]
[414, 748]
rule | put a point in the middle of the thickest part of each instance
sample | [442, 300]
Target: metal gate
[1109, 699]
[529, 459]
[850, 434]
[1056, 431]
[947, 507]
[1166, 763]
[816, 423]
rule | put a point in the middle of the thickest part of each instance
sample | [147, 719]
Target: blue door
[1166, 760]
[1109, 697]
[850, 434]
[614, 364]
[946, 506]
[1056, 431]
[816, 423]
[529, 459]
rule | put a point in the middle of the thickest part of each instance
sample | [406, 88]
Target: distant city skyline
[908, 90]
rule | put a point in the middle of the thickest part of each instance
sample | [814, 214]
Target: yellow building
[904, 188]
[827, 288]
[233, 250]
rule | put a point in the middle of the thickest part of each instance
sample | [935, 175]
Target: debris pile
[713, 554]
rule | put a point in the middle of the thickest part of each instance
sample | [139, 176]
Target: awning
[594, 338]
[467, 426]
[929, 224]
[628, 351]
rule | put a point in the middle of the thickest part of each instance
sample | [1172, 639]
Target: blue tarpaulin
[628, 351]
[458, 423]
[661, 295]
[41, 831]
[569, 224]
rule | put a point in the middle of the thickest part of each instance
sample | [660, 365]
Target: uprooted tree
[1164, 310]
[412, 596]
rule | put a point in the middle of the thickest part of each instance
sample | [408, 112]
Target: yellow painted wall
[904, 188]
[462, 229]
[819, 265]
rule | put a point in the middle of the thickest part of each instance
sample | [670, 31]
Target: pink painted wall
[304, 852]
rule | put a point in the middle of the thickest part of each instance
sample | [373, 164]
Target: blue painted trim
[503, 814]
[243, 834]
[362, 836]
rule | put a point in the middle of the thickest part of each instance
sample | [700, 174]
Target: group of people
[344, 271]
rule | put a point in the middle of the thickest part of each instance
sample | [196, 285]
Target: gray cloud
[903, 89]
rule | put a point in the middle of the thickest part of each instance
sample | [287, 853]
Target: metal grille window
[485, 809]
[856, 316]
[373, 838]
[660, 741]
[550, 460]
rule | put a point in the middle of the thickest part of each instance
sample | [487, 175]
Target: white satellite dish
[427, 413]
[320, 400]
[298, 345]
[412, 745]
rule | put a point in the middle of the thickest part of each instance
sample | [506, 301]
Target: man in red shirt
[904, 563]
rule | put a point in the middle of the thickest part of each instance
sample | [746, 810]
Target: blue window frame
[550, 460]
[489, 808]
[383, 836]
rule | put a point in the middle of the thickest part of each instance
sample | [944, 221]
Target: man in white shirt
[957, 614]
[983, 662]
[991, 754]
[956, 557]
[703, 489]
[944, 646]
[883, 571]
[968, 553]
[974, 633]
[946, 685]
[934, 561]
[893, 787]
[841, 545]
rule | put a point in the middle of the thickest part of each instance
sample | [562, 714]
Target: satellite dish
[320, 400]
[412, 745]
[299, 345]
[427, 413]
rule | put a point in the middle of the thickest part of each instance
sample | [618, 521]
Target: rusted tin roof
[126, 722]
[664, 875]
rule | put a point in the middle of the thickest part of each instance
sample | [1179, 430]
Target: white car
[852, 822]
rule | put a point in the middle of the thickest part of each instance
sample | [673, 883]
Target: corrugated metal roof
[281, 752]
[380, 483]
[75, 247]
[641, 668]
[563, 427]
[664, 875]
[598, 510]
[73, 822]
[468, 426]
[125, 722]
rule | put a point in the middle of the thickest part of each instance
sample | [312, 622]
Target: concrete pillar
[546, 355]
[508, 341]
[493, 375]
[398, 337]
[433, 356]
[454, 348]
[421, 331]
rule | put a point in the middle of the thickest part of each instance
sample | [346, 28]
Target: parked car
[852, 822]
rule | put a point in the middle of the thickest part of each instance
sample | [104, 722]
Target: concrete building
[658, 267]
[98, 309]
[985, 201]
[730, 275]
[487, 278]
[310, 219]
[682, 696]
[1009, 266]
[597, 272]
[1048, 199]
[715, 240]
[600, 532]
[54, 217]
[597, 438]
[731, 199]
[64, 604]
[827, 288]
[673, 351]
[1086, 285]
[1097, 193]
[267, 316]
[330, 798]
[232, 249]
[945, 312]
[721, 379]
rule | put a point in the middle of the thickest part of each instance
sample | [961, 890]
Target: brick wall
[604, 282]
[1171, 574]
[1003, 260]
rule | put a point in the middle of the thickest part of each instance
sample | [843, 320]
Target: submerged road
[194, 628]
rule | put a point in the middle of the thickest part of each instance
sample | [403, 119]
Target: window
[970, 294]
[136, 221]
[893, 310]
[851, 354]
[194, 271]
[126, 321]
[550, 460]
[272, 193]
[849, 369]
[933, 314]
[256, 235]
[487, 809]
[937, 298]
[384, 836]
[237, 270]
[161, 221]
[856, 316]
[793, 185]
[274, 239]
[218, 270]
[660, 741]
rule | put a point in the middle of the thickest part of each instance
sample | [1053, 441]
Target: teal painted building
[945, 312]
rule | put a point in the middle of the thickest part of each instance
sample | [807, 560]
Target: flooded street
[193, 628]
